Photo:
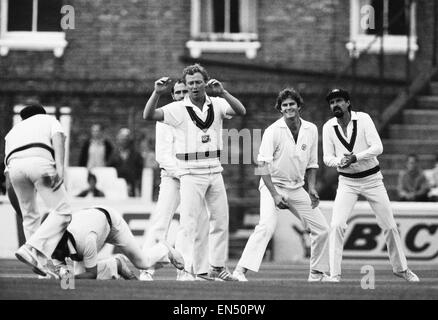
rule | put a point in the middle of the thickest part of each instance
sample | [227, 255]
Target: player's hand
[347, 160]
[280, 202]
[162, 85]
[314, 198]
[216, 87]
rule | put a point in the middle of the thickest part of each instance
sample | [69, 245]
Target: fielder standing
[351, 143]
[35, 149]
[289, 151]
[169, 197]
[198, 124]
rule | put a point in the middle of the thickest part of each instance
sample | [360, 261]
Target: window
[394, 18]
[223, 26]
[31, 25]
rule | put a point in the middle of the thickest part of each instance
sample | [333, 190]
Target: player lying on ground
[91, 228]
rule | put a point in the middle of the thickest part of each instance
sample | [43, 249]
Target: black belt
[107, 215]
[28, 146]
[362, 174]
[198, 155]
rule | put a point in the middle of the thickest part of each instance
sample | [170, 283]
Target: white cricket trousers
[373, 189]
[255, 248]
[122, 237]
[197, 192]
[168, 202]
[28, 176]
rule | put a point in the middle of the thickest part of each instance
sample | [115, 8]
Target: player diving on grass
[90, 229]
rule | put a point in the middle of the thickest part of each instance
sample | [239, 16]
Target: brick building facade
[118, 48]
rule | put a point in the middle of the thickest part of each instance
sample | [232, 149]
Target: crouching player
[88, 232]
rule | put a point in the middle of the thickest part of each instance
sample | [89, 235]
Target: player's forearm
[86, 275]
[235, 104]
[151, 106]
[373, 151]
[311, 178]
[268, 183]
[331, 161]
[58, 141]
[90, 273]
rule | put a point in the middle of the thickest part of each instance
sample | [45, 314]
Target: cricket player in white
[288, 151]
[90, 229]
[169, 197]
[198, 125]
[351, 143]
[35, 149]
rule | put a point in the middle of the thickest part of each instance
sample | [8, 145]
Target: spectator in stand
[91, 191]
[433, 194]
[412, 183]
[128, 162]
[97, 150]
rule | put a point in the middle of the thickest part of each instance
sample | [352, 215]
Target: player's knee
[391, 229]
[324, 233]
[337, 228]
[265, 230]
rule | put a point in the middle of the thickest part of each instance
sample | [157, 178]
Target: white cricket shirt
[289, 159]
[90, 229]
[39, 128]
[165, 148]
[197, 132]
[364, 142]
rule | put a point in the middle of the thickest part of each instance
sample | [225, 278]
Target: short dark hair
[176, 82]
[412, 155]
[195, 68]
[337, 93]
[289, 93]
[31, 110]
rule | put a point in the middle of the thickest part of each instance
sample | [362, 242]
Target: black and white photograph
[217, 159]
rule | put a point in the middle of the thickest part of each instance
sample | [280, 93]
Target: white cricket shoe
[336, 278]
[316, 276]
[28, 255]
[203, 277]
[240, 276]
[221, 274]
[408, 275]
[145, 276]
[185, 276]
